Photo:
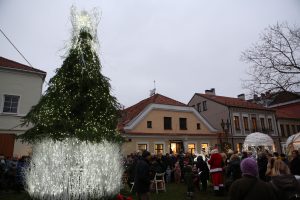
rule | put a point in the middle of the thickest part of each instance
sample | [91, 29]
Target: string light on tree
[75, 143]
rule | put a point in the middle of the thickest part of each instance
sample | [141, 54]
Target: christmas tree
[77, 103]
[76, 151]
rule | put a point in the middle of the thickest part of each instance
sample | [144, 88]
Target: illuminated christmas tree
[74, 136]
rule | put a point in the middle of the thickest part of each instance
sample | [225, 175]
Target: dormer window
[149, 124]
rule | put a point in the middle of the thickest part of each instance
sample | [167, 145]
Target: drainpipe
[279, 137]
[231, 130]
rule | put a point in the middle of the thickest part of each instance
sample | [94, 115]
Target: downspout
[279, 137]
[231, 130]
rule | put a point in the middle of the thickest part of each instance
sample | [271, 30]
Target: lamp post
[225, 128]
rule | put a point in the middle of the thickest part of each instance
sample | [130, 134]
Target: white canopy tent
[258, 141]
[293, 143]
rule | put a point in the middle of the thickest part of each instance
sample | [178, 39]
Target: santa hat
[215, 150]
[249, 167]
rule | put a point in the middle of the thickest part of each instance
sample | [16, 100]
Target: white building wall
[29, 87]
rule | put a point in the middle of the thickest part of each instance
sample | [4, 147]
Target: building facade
[20, 89]
[287, 107]
[162, 125]
[236, 118]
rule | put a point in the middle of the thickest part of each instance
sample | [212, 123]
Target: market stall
[292, 143]
[257, 142]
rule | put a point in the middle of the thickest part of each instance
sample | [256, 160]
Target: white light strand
[72, 169]
[84, 21]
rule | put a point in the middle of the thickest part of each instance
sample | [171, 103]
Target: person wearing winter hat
[249, 167]
[250, 187]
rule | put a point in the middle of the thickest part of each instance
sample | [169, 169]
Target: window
[237, 123]
[204, 106]
[298, 128]
[239, 147]
[293, 129]
[270, 124]
[254, 124]
[199, 107]
[11, 103]
[198, 126]
[149, 124]
[191, 148]
[159, 148]
[246, 125]
[167, 123]
[282, 130]
[182, 123]
[204, 148]
[142, 147]
[288, 131]
[262, 123]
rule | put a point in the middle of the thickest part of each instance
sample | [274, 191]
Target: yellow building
[163, 125]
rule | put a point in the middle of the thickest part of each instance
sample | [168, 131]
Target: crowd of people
[270, 176]
[242, 176]
[12, 173]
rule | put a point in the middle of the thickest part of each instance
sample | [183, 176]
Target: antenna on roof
[152, 92]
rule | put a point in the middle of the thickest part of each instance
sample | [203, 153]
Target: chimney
[211, 91]
[268, 94]
[241, 96]
[255, 97]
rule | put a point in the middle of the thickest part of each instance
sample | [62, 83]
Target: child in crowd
[177, 172]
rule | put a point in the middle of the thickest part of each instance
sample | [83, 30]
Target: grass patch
[174, 192]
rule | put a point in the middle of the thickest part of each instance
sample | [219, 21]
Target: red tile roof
[290, 111]
[282, 97]
[6, 63]
[233, 102]
[131, 112]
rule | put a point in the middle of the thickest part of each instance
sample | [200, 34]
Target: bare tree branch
[274, 60]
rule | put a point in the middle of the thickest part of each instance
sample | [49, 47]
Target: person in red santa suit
[216, 169]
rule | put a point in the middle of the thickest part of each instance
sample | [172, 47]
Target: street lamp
[225, 128]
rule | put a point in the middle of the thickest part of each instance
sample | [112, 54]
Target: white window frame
[262, 117]
[164, 146]
[2, 104]
[237, 131]
[249, 123]
[207, 150]
[137, 145]
[191, 142]
[272, 121]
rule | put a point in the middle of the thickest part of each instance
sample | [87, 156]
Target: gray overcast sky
[187, 46]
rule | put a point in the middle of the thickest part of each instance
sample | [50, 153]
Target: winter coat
[295, 166]
[249, 188]
[216, 163]
[285, 186]
[234, 170]
[142, 177]
[203, 168]
[262, 163]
